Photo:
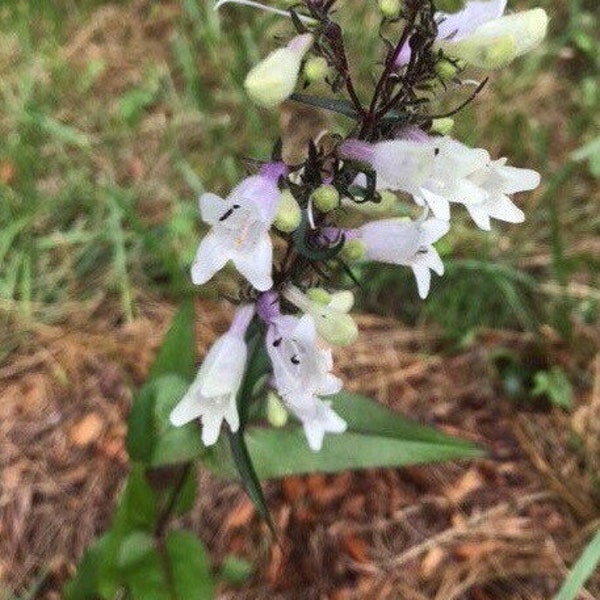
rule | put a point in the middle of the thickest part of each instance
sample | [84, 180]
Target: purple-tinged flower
[240, 229]
[433, 171]
[301, 371]
[213, 394]
[403, 242]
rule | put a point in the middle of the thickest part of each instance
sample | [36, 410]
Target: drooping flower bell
[301, 371]
[240, 229]
[273, 79]
[481, 35]
[213, 394]
[403, 242]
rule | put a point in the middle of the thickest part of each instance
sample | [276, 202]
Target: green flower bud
[288, 215]
[315, 69]
[496, 43]
[333, 324]
[445, 70]
[353, 251]
[390, 9]
[342, 301]
[442, 126]
[277, 415]
[319, 295]
[273, 79]
[326, 198]
[450, 6]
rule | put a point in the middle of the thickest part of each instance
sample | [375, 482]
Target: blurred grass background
[115, 116]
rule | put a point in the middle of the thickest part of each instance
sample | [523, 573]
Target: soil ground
[502, 528]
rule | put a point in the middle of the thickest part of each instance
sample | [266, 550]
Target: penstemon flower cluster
[289, 229]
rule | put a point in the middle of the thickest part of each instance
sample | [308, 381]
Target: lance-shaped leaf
[342, 107]
[376, 437]
[239, 451]
[175, 359]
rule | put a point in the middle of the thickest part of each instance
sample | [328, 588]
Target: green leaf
[140, 425]
[237, 441]
[187, 495]
[342, 107]
[136, 511]
[247, 471]
[178, 350]
[190, 568]
[142, 570]
[366, 416]
[84, 586]
[175, 359]
[582, 570]
[555, 385]
[173, 444]
[151, 438]
[376, 437]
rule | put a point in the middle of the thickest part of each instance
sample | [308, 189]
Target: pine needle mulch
[502, 528]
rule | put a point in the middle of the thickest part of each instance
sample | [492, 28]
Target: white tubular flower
[408, 243]
[213, 394]
[273, 79]
[499, 181]
[434, 170]
[482, 36]
[301, 371]
[240, 230]
[333, 323]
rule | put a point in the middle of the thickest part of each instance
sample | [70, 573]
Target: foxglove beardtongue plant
[291, 228]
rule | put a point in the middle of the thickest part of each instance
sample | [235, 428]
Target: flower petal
[212, 255]
[190, 407]
[212, 208]
[438, 204]
[423, 277]
[255, 265]
[465, 21]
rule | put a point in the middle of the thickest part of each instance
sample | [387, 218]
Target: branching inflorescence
[396, 149]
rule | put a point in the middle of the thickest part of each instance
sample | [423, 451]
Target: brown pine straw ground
[502, 528]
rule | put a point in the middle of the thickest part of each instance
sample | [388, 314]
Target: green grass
[113, 120]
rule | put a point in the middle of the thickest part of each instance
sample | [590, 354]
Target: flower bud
[390, 9]
[353, 251]
[277, 415]
[442, 126]
[445, 70]
[319, 295]
[315, 69]
[498, 42]
[450, 6]
[288, 215]
[326, 198]
[342, 301]
[273, 79]
[333, 323]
